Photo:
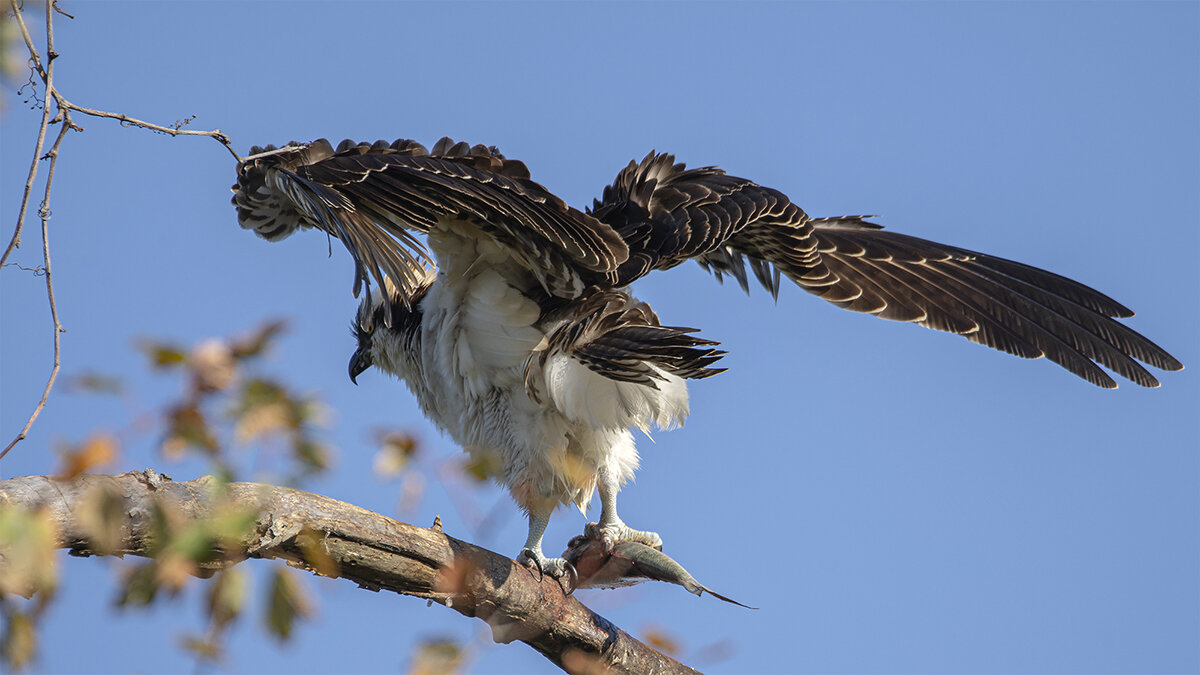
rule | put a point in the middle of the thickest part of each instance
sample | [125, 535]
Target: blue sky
[895, 500]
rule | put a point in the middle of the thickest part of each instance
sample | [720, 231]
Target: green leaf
[162, 355]
[187, 428]
[19, 642]
[482, 465]
[396, 450]
[312, 455]
[28, 540]
[286, 603]
[231, 524]
[203, 649]
[95, 383]
[259, 392]
[259, 341]
[436, 657]
[226, 597]
[139, 587]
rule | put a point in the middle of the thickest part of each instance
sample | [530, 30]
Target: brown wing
[668, 213]
[996, 302]
[371, 196]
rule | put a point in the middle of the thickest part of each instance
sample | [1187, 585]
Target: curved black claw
[555, 567]
[574, 580]
[531, 561]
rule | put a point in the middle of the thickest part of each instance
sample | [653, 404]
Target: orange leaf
[98, 449]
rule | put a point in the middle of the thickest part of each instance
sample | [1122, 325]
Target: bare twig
[45, 70]
[37, 271]
[133, 122]
[44, 213]
[34, 56]
[369, 549]
[46, 74]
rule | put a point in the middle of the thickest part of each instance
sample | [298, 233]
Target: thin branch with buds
[126, 120]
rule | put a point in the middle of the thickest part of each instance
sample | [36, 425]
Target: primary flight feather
[513, 326]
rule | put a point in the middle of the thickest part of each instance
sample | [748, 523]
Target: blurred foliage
[658, 637]
[101, 516]
[482, 465]
[18, 645]
[96, 451]
[437, 657]
[579, 662]
[396, 451]
[227, 414]
[311, 545]
[225, 406]
[287, 601]
[95, 383]
[28, 547]
[28, 543]
[230, 415]
[661, 640]
[13, 57]
[224, 602]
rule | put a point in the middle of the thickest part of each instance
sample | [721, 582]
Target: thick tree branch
[374, 551]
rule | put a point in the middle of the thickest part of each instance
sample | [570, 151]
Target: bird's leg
[611, 530]
[531, 555]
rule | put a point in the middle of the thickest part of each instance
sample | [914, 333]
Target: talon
[531, 561]
[613, 534]
[555, 567]
[574, 580]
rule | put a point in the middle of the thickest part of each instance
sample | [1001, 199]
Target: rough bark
[372, 550]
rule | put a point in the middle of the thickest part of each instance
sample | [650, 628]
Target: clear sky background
[895, 500]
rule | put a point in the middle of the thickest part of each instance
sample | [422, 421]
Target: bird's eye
[361, 331]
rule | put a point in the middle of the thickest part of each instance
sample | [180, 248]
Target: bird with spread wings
[514, 327]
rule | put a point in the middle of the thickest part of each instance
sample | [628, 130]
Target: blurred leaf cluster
[244, 424]
[13, 66]
[28, 547]
[229, 414]
[226, 406]
[437, 657]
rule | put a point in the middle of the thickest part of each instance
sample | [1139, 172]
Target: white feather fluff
[586, 397]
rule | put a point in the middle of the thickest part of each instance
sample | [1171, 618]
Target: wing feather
[618, 337]
[373, 196]
[668, 213]
[999, 303]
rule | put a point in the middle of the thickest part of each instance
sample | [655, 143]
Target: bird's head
[388, 346]
[363, 329]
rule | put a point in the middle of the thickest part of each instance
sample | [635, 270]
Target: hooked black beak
[360, 361]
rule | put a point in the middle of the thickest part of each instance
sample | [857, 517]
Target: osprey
[516, 332]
